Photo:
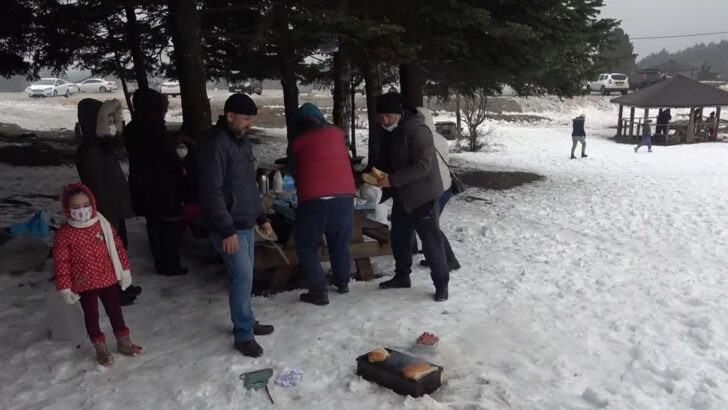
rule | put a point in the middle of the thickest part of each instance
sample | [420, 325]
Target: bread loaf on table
[379, 354]
[418, 370]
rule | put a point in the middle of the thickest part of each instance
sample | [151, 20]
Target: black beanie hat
[240, 104]
[389, 103]
[88, 109]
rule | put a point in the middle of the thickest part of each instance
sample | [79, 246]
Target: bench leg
[281, 276]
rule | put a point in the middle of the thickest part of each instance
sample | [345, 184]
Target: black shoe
[402, 282]
[453, 265]
[584, 155]
[441, 294]
[251, 348]
[132, 290]
[342, 288]
[316, 298]
[424, 263]
[262, 330]
[573, 157]
[127, 299]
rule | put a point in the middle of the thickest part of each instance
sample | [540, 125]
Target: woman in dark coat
[155, 179]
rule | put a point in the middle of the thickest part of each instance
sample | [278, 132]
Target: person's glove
[125, 281]
[69, 297]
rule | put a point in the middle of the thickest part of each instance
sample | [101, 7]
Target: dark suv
[644, 78]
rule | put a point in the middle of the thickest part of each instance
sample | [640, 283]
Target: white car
[170, 88]
[51, 87]
[609, 82]
[94, 85]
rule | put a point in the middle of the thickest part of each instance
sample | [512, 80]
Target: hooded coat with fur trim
[98, 166]
[81, 260]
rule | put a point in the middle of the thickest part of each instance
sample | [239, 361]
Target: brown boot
[102, 354]
[126, 347]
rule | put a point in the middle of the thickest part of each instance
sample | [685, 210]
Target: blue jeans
[314, 219]
[239, 267]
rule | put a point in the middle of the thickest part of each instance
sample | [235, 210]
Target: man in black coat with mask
[407, 154]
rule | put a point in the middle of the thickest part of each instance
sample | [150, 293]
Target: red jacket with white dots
[81, 261]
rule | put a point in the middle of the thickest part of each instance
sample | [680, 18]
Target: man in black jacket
[230, 204]
[155, 179]
[407, 154]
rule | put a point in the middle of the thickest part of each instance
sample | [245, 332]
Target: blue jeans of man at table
[239, 266]
[424, 220]
[332, 218]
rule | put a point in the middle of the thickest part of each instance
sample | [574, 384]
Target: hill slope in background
[715, 54]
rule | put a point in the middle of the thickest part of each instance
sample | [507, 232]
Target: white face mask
[390, 128]
[112, 130]
[82, 214]
[182, 152]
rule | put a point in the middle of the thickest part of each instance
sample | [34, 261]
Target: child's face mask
[82, 214]
[182, 151]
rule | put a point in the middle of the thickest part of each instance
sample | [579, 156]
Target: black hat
[389, 103]
[88, 109]
[240, 104]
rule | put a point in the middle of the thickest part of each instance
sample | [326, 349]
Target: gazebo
[675, 68]
[677, 92]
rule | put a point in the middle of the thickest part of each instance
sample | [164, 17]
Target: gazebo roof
[673, 66]
[677, 92]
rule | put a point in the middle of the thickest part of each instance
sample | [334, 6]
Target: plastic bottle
[277, 181]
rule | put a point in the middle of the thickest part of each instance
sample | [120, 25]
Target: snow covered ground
[600, 287]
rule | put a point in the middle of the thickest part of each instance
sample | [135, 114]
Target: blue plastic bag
[36, 225]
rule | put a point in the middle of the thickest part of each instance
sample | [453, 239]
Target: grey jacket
[410, 158]
[441, 146]
[228, 194]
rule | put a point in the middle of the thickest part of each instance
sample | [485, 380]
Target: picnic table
[369, 239]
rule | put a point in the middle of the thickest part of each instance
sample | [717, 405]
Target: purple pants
[111, 298]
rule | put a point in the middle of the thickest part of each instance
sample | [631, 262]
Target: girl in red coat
[90, 263]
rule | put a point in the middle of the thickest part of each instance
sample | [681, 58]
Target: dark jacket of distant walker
[408, 155]
[578, 127]
[100, 171]
[229, 198]
[155, 170]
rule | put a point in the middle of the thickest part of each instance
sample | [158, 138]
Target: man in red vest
[319, 162]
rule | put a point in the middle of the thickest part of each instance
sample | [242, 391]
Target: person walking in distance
[578, 135]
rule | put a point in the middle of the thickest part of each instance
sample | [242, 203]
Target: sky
[647, 18]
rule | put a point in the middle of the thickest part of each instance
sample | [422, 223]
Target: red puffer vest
[322, 164]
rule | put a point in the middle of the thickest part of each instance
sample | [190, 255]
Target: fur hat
[109, 114]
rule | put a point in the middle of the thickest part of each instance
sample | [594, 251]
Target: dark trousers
[111, 298]
[121, 231]
[424, 220]
[164, 239]
[332, 218]
[449, 254]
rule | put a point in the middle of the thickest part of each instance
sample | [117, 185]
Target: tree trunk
[412, 81]
[134, 44]
[287, 65]
[352, 117]
[342, 90]
[189, 60]
[458, 119]
[373, 87]
[124, 87]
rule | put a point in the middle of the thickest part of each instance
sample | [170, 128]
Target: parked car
[92, 85]
[644, 78]
[246, 86]
[608, 82]
[51, 87]
[170, 88]
[447, 129]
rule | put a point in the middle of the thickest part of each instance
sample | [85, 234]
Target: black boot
[441, 294]
[584, 155]
[133, 290]
[424, 263]
[573, 157]
[397, 282]
[127, 298]
[316, 298]
[261, 329]
[251, 348]
[342, 287]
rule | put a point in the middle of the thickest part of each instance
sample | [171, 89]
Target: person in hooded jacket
[156, 179]
[99, 125]
[442, 150]
[408, 156]
[319, 161]
[90, 263]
